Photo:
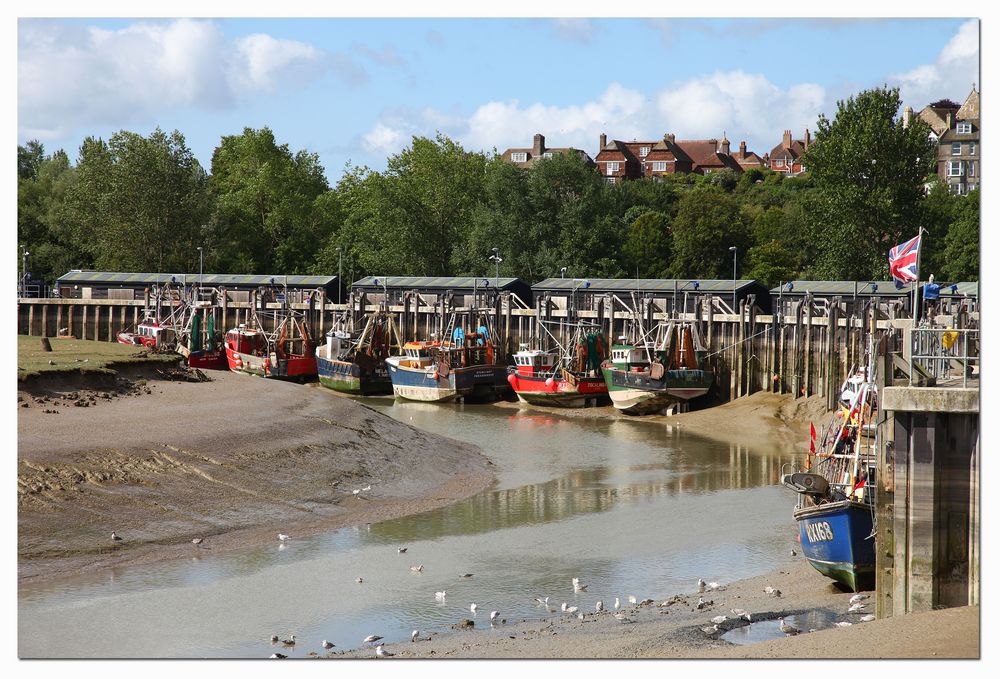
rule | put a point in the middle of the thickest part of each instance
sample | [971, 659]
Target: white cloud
[950, 76]
[745, 106]
[71, 76]
[383, 139]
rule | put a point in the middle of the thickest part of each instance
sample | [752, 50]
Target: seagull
[714, 585]
[441, 595]
[571, 610]
[793, 552]
[371, 639]
[356, 492]
[382, 653]
[701, 603]
[714, 629]
[359, 580]
[417, 569]
[577, 587]
[867, 618]
[618, 604]
[843, 623]
[786, 628]
[494, 615]
[278, 656]
[541, 601]
[465, 575]
[197, 541]
[401, 550]
[769, 590]
[856, 607]
[473, 607]
[857, 598]
[621, 616]
[740, 613]
[367, 488]
[719, 619]
[327, 644]
[701, 585]
[599, 606]
[274, 638]
[115, 537]
[632, 599]
[579, 616]
[290, 641]
[414, 634]
[282, 537]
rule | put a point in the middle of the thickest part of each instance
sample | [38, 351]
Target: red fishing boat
[572, 381]
[199, 342]
[150, 334]
[287, 353]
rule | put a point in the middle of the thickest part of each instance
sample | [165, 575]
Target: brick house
[748, 159]
[710, 155]
[617, 161]
[956, 130]
[786, 157]
[526, 157]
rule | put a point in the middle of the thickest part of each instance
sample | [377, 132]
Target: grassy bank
[73, 355]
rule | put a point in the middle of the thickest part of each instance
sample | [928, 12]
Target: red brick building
[749, 159]
[786, 157]
[617, 160]
[526, 157]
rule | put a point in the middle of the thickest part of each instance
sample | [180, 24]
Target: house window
[971, 167]
[519, 157]
[779, 162]
[956, 148]
[973, 187]
[547, 154]
[659, 166]
[954, 168]
[964, 128]
[610, 180]
[972, 148]
[613, 167]
[643, 151]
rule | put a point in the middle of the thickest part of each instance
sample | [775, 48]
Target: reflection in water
[630, 507]
[771, 629]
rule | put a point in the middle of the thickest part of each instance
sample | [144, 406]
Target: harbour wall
[804, 352]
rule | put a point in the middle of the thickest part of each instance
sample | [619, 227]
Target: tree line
[135, 203]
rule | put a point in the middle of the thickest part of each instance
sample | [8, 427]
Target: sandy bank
[671, 627]
[234, 461]
[763, 417]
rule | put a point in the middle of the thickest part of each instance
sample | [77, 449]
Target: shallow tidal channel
[631, 507]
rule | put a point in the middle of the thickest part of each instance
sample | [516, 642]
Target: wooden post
[69, 318]
[322, 311]
[59, 318]
[810, 387]
[31, 317]
[831, 354]
[885, 543]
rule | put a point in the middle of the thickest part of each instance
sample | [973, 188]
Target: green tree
[647, 245]
[961, 254]
[266, 217]
[869, 171]
[708, 223]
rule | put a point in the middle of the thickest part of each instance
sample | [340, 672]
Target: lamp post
[201, 269]
[733, 249]
[24, 272]
[496, 259]
[340, 280]
[562, 272]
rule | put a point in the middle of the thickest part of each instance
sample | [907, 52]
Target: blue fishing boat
[836, 500]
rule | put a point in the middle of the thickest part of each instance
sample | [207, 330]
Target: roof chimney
[724, 145]
[786, 140]
[669, 138]
[538, 147]
[604, 142]
[948, 119]
[907, 114]
[808, 139]
[743, 150]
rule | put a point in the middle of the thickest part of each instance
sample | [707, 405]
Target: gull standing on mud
[473, 607]
[197, 541]
[282, 537]
[115, 537]
[719, 619]
[493, 616]
[290, 641]
[541, 601]
[382, 653]
[857, 598]
[414, 634]
[701, 586]
[371, 639]
[599, 606]
[618, 604]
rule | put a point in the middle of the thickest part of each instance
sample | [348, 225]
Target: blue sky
[356, 90]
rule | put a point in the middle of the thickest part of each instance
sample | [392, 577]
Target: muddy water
[629, 507]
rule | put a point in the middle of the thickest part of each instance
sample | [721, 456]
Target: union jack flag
[903, 262]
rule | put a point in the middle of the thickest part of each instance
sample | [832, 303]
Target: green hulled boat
[650, 377]
[356, 365]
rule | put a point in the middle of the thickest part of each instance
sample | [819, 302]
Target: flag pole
[916, 283]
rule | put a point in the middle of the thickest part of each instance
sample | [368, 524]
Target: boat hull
[208, 360]
[348, 377]
[486, 382]
[837, 541]
[296, 368]
[636, 393]
[559, 392]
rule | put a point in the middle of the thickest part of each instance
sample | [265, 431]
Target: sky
[356, 90]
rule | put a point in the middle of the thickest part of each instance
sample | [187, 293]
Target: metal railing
[944, 352]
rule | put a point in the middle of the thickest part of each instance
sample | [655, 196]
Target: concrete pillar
[83, 324]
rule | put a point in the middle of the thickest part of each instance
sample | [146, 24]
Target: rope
[736, 343]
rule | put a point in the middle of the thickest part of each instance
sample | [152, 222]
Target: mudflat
[233, 461]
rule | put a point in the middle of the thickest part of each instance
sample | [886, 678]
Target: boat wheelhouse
[200, 342]
[150, 334]
[285, 354]
[356, 364]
